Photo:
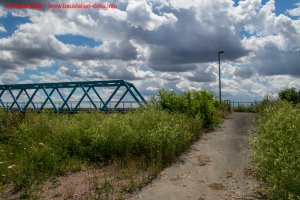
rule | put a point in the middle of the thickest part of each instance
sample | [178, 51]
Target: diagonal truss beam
[17, 97]
[67, 99]
[111, 96]
[48, 98]
[64, 100]
[79, 102]
[30, 98]
[15, 100]
[98, 95]
[1, 93]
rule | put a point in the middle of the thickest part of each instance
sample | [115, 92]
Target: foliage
[276, 145]
[290, 95]
[36, 146]
[191, 102]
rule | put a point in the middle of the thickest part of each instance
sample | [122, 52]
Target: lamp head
[220, 52]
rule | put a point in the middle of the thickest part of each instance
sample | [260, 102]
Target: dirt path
[215, 168]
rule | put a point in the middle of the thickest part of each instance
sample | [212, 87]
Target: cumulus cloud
[8, 78]
[177, 40]
[202, 74]
[140, 14]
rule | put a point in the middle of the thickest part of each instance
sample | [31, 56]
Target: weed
[276, 145]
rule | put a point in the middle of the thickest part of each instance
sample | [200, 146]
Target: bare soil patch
[203, 160]
[216, 186]
[114, 181]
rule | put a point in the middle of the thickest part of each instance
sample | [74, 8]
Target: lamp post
[219, 53]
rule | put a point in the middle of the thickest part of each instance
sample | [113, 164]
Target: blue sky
[78, 40]
[157, 44]
[11, 24]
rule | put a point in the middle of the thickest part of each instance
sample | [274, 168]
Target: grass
[37, 146]
[276, 146]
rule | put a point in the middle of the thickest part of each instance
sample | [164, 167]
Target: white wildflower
[11, 166]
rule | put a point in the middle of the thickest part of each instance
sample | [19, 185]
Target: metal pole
[220, 93]
[220, 98]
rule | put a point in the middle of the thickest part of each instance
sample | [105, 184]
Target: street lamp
[219, 53]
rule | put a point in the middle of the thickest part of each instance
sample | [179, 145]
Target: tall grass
[36, 146]
[276, 145]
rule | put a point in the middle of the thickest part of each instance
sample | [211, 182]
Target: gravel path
[216, 167]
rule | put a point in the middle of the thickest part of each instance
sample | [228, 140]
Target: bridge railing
[84, 105]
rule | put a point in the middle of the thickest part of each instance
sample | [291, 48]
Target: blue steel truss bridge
[71, 97]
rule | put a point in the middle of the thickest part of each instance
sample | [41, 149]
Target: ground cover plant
[276, 148]
[37, 146]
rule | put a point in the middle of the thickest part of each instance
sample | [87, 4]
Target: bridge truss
[38, 96]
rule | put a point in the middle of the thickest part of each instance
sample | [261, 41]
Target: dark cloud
[273, 61]
[202, 74]
[244, 72]
[188, 41]
[51, 48]
[179, 40]
[168, 67]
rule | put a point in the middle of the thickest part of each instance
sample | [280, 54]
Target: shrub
[193, 103]
[276, 145]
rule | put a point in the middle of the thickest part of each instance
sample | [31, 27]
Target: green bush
[276, 145]
[290, 95]
[191, 102]
[38, 146]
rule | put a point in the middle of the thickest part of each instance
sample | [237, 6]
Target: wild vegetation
[193, 103]
[242, 108]
[290, 95]
[36, 146]
[276, 148]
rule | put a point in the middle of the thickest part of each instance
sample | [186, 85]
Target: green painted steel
[85, 87]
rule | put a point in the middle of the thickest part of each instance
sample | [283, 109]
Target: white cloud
[139, 14]
[295, 11]
[8, 78]
[2, 29]
[177, 40]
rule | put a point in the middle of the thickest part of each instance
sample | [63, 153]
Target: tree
[290, 95]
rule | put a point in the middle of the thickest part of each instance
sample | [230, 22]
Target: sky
[172, 44]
